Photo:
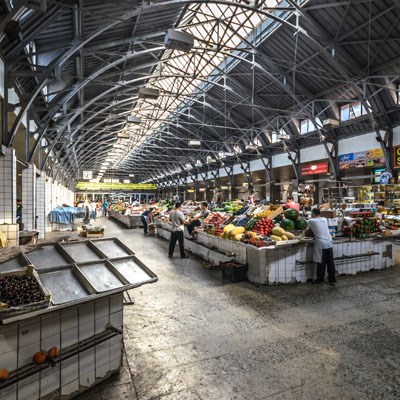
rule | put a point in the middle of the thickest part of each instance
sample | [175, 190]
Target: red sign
[314, 169]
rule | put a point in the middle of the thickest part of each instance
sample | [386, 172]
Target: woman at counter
[292, 204]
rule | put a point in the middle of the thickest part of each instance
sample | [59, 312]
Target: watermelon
[287, 224]
[292, 214]
[301, 224]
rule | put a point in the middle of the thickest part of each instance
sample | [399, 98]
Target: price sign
[396, 157]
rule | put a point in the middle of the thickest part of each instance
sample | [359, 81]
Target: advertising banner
[370, 158]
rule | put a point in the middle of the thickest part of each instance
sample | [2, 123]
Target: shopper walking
[197, 220]
[105, 206]
[323, 252]
[177, 221]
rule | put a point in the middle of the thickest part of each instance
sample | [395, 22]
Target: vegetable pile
[264, 226]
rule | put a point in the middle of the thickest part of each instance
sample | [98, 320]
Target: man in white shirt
[177, 221]
[323, 252]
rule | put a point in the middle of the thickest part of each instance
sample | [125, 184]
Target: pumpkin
[229, 227]
[278, 231]
[4, 374]
[276, 238]
[53, 352]
[287, 224]
[291, 214]
[237, 231]
[39, 357]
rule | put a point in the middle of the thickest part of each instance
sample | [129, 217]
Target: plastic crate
[236, 273]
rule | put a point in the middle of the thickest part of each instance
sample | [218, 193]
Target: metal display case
[83, 317]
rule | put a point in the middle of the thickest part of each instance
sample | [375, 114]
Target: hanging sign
[315, 169]
[87, 174]
[114, 186]
[396, 157]
[370, 158]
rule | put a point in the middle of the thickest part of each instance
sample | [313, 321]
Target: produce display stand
[290, 262]
[131, 221]
[86, 281]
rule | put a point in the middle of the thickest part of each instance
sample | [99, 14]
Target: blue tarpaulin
[67, 215]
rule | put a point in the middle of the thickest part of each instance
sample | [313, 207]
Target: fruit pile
[293, 222]
[254, 241]
[279, 234]
[264, 226]
[16, 290]
[264, 214]
[362, 228]
[243, 222]
[214, 219]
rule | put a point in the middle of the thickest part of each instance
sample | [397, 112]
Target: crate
[236, 273]
[7, 312]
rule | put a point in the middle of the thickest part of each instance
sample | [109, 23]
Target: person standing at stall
[177, 221]
[197, 220]
[105, 205]
[323, 251]
[292, 204]
[146, 218]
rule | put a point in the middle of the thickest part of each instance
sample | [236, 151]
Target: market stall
[64, 218]
[271, 242]
[61, 316]
[127, 214]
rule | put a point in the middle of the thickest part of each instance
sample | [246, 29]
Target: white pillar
[41, 200]
[29, 197]
[49, 203]
[8, 186]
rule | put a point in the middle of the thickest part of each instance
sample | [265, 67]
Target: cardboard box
[328, 213]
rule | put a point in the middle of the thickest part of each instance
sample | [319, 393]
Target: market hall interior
[194, 336]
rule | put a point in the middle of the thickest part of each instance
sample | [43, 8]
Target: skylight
[218, 29]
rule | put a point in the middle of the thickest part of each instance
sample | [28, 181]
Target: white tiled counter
[288, 263]
[131, 221]
[293, 263]
[90, 349]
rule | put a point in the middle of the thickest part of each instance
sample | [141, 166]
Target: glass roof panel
[217, 29]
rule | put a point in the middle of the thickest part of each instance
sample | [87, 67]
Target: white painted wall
[396, 136]
[280, 160]
[358, 143]
[313, 153]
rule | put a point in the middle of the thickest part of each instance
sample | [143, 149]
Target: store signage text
[314, 169]
[396, 157]
[114, 186]
[370, 158]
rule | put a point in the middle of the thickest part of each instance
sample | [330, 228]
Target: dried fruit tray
[7, 311]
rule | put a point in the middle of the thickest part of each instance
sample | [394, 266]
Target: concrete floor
[192, 336]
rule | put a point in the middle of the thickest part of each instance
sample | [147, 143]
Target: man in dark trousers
[323, 251]
[177, 221]
[146, 218]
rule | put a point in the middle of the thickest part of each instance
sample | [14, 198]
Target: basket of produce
[22, 292]
[233, 271]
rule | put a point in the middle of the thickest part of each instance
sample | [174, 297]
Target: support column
[48, 203]
[41, 200]
[8, 195]
[8, 186]
[29, 197]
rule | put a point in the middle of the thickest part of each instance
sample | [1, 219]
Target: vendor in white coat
[323, 252]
